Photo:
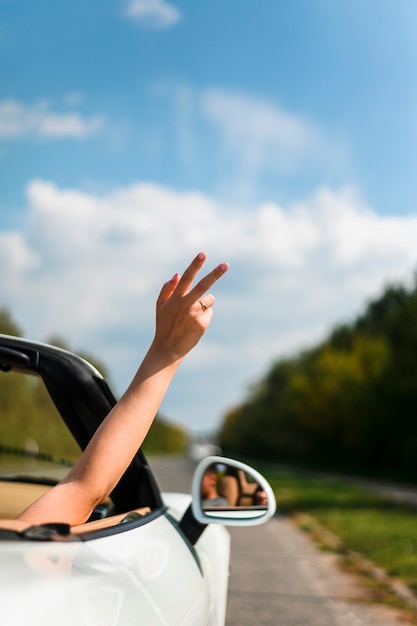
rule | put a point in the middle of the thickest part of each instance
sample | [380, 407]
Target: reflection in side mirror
[232, 493]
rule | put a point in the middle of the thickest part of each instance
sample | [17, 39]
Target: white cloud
[255, 142]
[89, 267]
[18, 119]
[153, 13]
[18, 257]
[260, 133]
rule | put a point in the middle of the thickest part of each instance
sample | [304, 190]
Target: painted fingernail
[174, 278]
[201, 255]
[224, 267]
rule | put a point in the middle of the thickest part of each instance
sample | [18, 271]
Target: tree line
[29, 420]
[347, 404]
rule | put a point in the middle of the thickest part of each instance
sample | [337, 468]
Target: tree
[165, 438]
[7, 325]
[349, 402]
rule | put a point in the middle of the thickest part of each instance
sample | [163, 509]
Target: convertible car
[144, 557]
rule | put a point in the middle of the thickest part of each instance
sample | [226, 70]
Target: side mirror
[231, 493]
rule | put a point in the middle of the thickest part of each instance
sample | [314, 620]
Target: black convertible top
[83, 399]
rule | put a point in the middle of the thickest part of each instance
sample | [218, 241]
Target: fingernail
[224, 267]
[174, 278]
[201, 255]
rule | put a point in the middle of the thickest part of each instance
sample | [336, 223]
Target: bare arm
[181, 320]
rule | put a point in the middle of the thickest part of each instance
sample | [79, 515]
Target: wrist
[163, 354]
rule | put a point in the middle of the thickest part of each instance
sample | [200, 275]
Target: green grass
[366, 523]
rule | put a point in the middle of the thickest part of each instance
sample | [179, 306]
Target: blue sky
[281, 137]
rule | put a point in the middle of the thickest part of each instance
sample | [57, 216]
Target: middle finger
[207, 281]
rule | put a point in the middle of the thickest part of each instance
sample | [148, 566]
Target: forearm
[122, 433]
[112, 448]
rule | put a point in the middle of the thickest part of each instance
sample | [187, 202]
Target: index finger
[207, 281]
[189, 274]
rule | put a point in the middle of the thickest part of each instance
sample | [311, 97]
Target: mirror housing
[229, 492]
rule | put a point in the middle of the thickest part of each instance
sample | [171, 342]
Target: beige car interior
[15, 497]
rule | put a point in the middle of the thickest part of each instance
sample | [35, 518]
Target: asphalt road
[278, 578]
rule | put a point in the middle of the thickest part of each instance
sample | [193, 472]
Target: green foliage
[165, 438]
[7, 325]
[28, 415]
[349, 403]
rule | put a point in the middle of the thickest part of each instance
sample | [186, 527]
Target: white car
[145, 557]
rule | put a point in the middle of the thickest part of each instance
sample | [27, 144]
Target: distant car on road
[198, 451]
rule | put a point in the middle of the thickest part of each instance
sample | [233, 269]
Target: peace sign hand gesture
[183, 312]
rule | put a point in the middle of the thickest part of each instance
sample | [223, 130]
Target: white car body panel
[145, 575]
[144, 558]
[213, 549]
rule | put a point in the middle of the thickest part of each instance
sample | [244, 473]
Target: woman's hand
[183, 312]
